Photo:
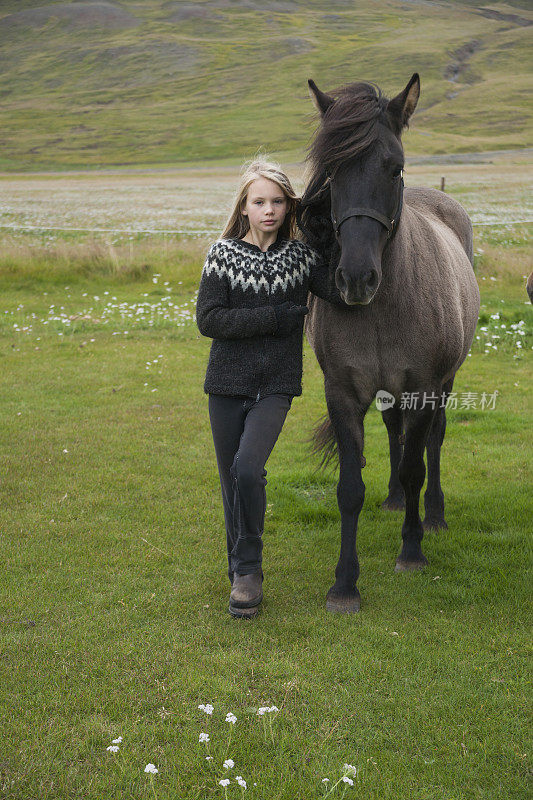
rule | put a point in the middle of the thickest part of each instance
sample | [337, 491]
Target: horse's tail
[323, 442]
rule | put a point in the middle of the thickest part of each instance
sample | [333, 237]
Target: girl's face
[265, 206]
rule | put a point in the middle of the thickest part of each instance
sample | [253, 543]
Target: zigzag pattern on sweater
[290, 264]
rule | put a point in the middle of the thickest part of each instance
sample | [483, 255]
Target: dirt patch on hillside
[73, 15]
[514, 19]
[185, 12]
[179, 11]
[460, 63]
[291, 46]
[159, 56]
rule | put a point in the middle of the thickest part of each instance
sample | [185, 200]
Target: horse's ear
[402, 106]
[321, 100]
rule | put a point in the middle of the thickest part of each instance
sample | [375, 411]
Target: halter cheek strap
[360, 211]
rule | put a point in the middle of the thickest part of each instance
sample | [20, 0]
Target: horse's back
[433, 203]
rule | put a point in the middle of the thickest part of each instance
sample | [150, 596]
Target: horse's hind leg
[392, 417]
[434, 496]
[347, 424]
[412, 474]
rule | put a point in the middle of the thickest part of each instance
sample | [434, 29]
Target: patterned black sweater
[239, 288]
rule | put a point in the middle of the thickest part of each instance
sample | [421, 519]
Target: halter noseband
[360, 211]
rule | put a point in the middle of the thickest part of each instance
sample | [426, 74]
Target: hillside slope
[89, 84]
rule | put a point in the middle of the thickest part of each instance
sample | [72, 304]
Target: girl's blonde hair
[238, 225]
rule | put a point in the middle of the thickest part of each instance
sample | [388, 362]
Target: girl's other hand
[289, 317]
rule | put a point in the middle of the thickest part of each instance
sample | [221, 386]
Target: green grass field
[174, 83]
[113, 594]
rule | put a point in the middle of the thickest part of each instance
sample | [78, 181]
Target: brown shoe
[247, 590]
[244, 613]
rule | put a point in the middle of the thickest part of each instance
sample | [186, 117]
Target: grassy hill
[91, 84]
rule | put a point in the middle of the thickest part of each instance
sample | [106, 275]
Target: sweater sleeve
[322, 281]
[214, 316]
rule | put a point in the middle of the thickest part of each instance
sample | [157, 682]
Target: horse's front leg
[434, 496]
[412, 473]
[347, 421]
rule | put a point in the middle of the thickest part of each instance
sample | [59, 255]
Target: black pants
[244, 433]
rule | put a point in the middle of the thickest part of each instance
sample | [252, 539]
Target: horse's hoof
[393, 504]
[348, 603]
[409, 566]
[434, 524]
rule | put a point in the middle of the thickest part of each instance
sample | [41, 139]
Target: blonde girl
[252, 303]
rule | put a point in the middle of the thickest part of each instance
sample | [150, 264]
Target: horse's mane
[349, 126]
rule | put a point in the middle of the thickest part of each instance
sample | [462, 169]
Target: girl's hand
[289, 317]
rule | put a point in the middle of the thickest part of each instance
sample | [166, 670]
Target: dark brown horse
[403, 265]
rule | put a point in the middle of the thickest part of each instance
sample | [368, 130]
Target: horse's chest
[367, 339]
[373, 352]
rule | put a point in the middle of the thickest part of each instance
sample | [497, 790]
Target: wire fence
[187, 232]
[195, 231]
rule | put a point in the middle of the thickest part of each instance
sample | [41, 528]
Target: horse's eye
[398, 172]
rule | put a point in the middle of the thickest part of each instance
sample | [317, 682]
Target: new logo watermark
[384, 400]
[483, 401]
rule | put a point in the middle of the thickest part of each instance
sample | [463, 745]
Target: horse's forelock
[349, 126]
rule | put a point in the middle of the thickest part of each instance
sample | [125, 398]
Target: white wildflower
[207, 708]
[347, 780]
[112, 748]
[229, 763]
[116, 741]
[224, 782]
[266, 710]
[350, 769]
[325, 780]
[240, 780]
[231, 718]
[151, 768]
[204, 737]
[209, 758]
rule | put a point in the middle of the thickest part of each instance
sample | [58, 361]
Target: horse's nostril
[340, 281]
[369, 279]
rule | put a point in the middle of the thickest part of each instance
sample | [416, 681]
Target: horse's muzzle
[359, 289]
